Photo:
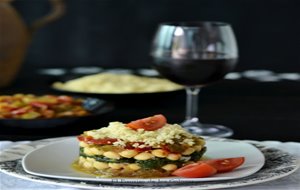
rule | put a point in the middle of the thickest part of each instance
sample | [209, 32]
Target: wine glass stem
[192, 103]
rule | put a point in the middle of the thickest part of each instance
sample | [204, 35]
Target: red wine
[198, 72]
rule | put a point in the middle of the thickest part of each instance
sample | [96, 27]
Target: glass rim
[194, 24]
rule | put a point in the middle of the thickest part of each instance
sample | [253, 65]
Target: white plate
[55, 161]
[278, 164]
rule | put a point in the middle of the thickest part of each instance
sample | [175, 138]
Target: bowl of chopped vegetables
[37, 111]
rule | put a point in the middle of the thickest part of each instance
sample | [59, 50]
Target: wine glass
[195, 54]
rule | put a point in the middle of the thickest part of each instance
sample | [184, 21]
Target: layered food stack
[148, 147]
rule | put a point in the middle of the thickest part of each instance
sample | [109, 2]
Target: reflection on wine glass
[195, 54]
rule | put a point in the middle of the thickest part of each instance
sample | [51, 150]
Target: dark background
[118, 33]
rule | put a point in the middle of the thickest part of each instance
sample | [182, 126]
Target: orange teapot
[15, 37]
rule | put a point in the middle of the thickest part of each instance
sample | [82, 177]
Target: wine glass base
[207, 129]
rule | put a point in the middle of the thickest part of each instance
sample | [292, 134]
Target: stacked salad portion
[144, 148]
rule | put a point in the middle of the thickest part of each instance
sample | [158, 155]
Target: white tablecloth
[291, 182]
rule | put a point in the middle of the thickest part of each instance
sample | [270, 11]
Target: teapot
[15, 37]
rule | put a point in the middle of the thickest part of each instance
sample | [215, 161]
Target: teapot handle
[58, 9]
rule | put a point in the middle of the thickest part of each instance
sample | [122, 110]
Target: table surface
[254, 110]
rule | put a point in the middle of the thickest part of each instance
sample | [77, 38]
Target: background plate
[94, 105]
[120, 98]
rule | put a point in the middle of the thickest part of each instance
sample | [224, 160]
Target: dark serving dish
[120, 98]
[95, 106]
[130, 98]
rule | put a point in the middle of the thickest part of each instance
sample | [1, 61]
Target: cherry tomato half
[91, 140]
[195, 170]
[225, 164]
[148, 124]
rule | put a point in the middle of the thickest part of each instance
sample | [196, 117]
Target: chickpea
[143, 156]
[173, 156]
[169, 167]
[111, 154]
[83, 144]
[115, 166]
[128, 153]
[87, 165]
[100, 165]
[90, 160]
[96, 151]
[87, 151]
[134, 167]
[198, 147]
[159, 153]
[81, 160]
[188, 151]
